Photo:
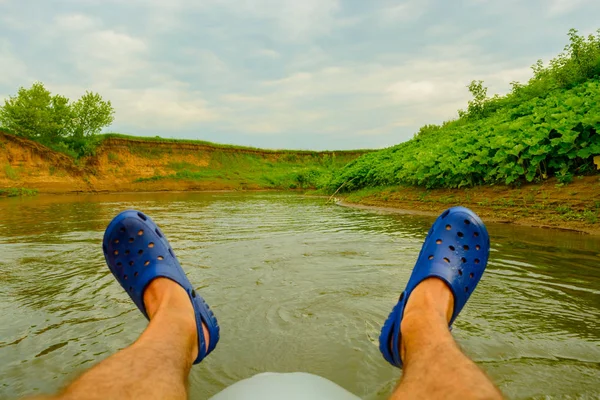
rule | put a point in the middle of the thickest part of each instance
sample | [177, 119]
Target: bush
[35, 114]
[548, 127]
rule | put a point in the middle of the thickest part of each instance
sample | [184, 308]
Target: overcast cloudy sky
[314, 74]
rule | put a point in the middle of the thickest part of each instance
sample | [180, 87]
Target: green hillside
[548, 127]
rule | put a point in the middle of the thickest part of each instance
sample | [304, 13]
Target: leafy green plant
[590, 217]
[548, 127]
[36, 114]
[113, 157]
[10, 172]
[18, 192]
[563, 209]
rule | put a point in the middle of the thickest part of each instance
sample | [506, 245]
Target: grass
[18, 192]
[11, 173]
[152, 153]
[244, 170]
[158, 139]
[247, 168]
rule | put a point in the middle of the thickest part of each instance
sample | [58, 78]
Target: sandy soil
[574, 206]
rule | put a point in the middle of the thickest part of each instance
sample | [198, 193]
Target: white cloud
[162, 108]
[118, 65]
[236, 98]
[560, 7]
[14, 70]
[421, 91]
[406, 11]
[74, 22]
[274, 68]
[295, 20]
[268, 53]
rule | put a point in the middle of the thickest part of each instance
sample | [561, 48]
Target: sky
[298, 74]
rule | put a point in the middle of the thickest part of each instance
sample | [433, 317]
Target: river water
[297, 285]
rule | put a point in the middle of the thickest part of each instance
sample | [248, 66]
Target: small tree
[479, 92]
[90, 114]
[34, 113]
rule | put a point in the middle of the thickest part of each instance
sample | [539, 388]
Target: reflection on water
[296, 285]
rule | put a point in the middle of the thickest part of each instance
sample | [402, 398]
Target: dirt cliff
[143, 165]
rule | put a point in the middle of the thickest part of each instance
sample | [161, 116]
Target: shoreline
[394, 210]
[374, 202]
[574, 207]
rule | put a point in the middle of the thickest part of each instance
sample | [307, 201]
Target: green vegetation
[71, 128]
[281, 171]
[547, 127]
[18, 192]
[158, 139]
[11, 173]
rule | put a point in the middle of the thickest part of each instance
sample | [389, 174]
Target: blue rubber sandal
[456, 250]
[137, 252]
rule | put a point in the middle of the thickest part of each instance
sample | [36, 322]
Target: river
[297, 285]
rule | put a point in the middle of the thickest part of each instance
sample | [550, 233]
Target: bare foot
[431, 302]
[165, 296]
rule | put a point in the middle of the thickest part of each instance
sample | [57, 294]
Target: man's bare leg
[434, 366]
[157, 365]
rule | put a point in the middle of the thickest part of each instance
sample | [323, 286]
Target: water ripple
[297, 285]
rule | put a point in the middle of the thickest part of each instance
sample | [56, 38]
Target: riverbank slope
[138, 164]
[550, 204]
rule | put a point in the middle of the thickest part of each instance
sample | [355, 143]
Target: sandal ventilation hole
[142, 216]
[116, 252]
[130, 289]
[477, 247]
[119, 264]
[116, 241]
[150, 245]
[122, 229]
[135, 274]
[466, 289]
[146, 263]
[140, 232]
[131, 240]
[477, 261]
[460, 234]
[431, 257]
[451, 248]
[476, 234]
[471, 275]
[158, 232]
[127, 252]
[466, 247]
[439, 241]
[467, 222]
[160, 258]
[447, 260]
[448, 227]
[460, 272]
[464, 260]
[125, 277]
[131, 263]
[445, 214]
[140, 252]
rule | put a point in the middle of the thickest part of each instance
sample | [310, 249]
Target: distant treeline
[547, 127]
[54, 121]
